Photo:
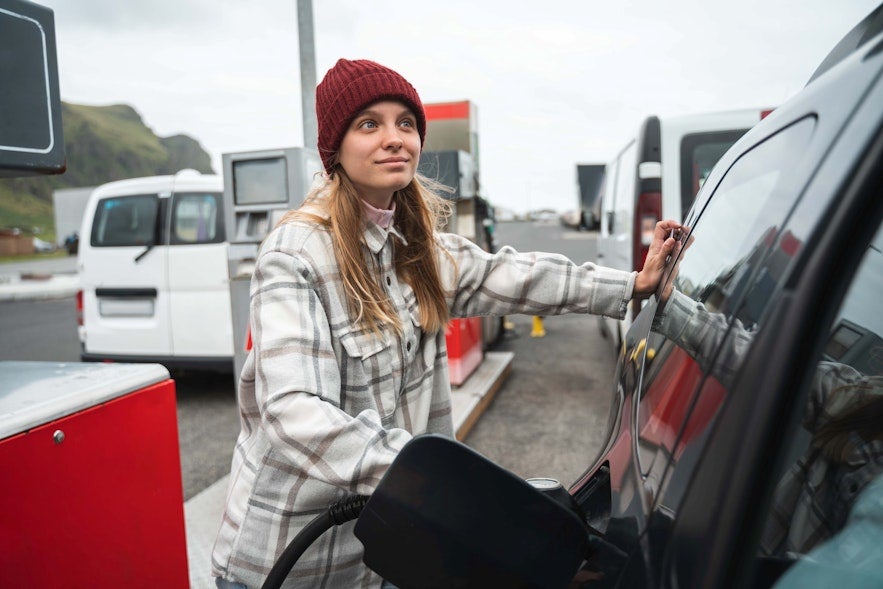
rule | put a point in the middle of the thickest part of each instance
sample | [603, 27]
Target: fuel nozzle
[555, 490]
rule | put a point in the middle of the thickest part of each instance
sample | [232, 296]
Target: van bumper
[217, 364]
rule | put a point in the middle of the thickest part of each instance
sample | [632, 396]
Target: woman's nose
[392, 138]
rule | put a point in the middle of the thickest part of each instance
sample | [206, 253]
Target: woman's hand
[661, 248]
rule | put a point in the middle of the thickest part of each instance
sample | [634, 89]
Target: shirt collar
[376, 234]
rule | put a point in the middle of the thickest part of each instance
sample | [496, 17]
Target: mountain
[102, 144]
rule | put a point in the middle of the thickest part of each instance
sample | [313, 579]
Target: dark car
[747, 446]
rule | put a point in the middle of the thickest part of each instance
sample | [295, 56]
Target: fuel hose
[337, 513]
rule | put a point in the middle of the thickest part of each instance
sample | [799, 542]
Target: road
[549, 418]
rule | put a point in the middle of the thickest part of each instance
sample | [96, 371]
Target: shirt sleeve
[480, 283]
[298, 382]
[716, 342]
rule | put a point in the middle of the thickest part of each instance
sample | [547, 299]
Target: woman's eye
[367, 125]
[407, 123]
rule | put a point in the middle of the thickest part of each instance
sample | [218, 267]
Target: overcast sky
[556, 82]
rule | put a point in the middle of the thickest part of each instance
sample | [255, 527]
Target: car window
[197, 218]
[828, 503]
[700, 152]
[125, 221]
[691, 353]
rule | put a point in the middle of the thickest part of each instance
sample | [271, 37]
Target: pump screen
[260, 181]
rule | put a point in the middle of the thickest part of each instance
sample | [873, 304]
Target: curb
[59, 286]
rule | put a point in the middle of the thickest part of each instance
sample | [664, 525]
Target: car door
[681, 357]
[796, 379]
[198, 281]
[123, 272]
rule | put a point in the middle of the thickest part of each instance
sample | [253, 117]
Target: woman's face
[380, 151]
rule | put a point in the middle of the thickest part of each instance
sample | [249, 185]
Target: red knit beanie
[347, 89]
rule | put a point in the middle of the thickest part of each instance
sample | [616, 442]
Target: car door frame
[716, 547]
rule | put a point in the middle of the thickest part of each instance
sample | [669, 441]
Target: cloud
[555, 83]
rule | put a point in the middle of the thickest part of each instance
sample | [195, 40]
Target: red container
[465, 352]
[91, 488]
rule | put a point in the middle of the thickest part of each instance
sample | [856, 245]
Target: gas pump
[259, 187]
[450, 157]
[89, 453]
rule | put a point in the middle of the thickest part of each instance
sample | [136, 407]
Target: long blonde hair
[419, 212]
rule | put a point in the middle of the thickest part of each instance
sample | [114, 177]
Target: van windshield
[700, 152]
[125, 221]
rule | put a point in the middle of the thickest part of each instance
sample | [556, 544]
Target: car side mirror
[444, 516]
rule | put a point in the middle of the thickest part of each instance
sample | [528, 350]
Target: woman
[349, 300]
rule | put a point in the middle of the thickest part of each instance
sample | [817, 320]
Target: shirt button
[389, 281]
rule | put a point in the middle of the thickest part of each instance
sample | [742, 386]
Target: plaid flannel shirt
[326, 405]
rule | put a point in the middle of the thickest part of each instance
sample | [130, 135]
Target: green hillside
[102, 144]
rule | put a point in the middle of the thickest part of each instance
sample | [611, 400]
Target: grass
[62, 253]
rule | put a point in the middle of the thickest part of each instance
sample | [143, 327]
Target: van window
[700, 152]
[726, 280]
[126, 221]
[196, 218]
[624, 196]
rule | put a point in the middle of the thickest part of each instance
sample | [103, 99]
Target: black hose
[339, 512]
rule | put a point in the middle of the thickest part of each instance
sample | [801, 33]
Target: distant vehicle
[571, 219]
[153, 272]
[544, 215]
[43, 247]
[656, 175]
[68, 205]
[590, 179]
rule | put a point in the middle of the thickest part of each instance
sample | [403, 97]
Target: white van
[153, 271]
[655, 176]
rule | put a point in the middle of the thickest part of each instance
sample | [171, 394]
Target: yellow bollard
[538, 329]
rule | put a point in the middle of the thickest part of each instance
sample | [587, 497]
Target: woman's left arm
[480, 283]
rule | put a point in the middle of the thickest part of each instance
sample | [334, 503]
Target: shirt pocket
[367, 375]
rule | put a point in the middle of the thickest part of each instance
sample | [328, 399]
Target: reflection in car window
[699, 154]
[687, 369]
[829, 502]
[125, 221]
[196, 218]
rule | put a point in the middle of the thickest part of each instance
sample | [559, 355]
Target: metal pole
[307, 47]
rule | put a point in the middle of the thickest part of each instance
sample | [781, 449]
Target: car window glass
[196, 218]
[828, 502]
[700, 152]
[687, 372]
[125, 221]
